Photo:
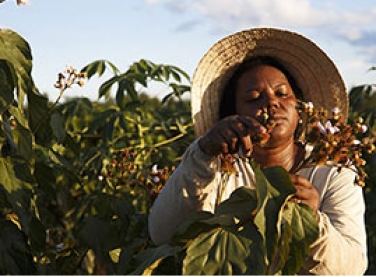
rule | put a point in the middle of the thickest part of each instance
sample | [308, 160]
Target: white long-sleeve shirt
[340, 248]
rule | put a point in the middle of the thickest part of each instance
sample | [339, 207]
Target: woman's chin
[278, 139]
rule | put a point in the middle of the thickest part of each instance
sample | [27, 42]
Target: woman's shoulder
[327, 178]
[328, 171]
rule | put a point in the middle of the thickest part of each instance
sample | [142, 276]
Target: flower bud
[371, 148]
[22, 2]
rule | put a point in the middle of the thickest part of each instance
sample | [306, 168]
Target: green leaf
[44, 174]
[39, 118]
[123, 209]
[120, 94]
[225, 252]
[9, 146]
[105, 88]
[142, 66]
[288, 228]
[241, 204]
[24, 140]
[363, 104]
[166, 73]
[16, 51]
[175, 75]
[5, 205]
[115, 255]
[149, 260]
[301, 222]
[10, 177]
[139, 77]
[102, 119]
[8, 82]
[273, 187]
[16, 258]
[193, 226]
[37, 234]
[58, 126]
[15, 178]
[98, 233]
[99, 67]
[156, 72]
[177, 70]
[127, 85]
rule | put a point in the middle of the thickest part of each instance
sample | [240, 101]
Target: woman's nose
[271, 100]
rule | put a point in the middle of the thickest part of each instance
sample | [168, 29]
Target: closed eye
[281, 94]
[252, 96]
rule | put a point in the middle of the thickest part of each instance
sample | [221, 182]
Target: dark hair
[228, 104]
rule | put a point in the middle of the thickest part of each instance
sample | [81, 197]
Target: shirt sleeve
[341, 246]
[190, 188]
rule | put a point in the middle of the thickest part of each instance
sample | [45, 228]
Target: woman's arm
[341, 246]
[190, 188]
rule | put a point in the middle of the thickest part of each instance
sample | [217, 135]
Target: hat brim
[315, 73]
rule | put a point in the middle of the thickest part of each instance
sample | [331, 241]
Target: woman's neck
[285, 156]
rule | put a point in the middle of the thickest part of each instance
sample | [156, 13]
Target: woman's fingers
[252, 125]
[306, 193]
[247, 146]
[243, 138]
[231, 134]
[258, 133]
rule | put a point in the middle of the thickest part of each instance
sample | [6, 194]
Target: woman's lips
[277, 119]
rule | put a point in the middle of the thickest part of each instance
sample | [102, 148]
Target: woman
[241, 77]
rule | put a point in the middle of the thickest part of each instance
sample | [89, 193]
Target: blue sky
[179, 32]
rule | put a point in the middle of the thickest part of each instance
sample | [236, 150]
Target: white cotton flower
[154, 169]
[335, 110]
[310, 105]
[321, 128]
[60, 247]
[364, 128]
[330, 129]
[356, 142]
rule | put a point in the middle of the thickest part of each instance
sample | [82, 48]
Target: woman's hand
[306, 193]
[232, 133]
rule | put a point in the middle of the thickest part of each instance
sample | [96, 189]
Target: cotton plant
[333, 142]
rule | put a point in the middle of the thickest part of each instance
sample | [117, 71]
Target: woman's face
[266, 87]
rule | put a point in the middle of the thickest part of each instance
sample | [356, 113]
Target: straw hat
[315, 73]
